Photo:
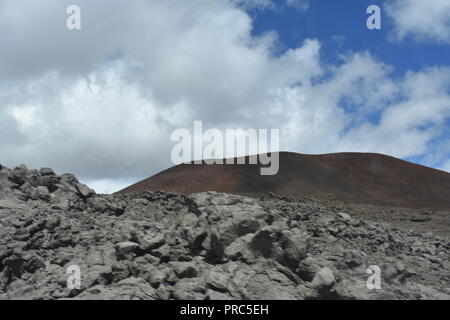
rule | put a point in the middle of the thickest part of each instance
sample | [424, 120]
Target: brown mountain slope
[359, 177]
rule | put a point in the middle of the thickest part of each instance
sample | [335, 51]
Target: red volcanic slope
[359, 177]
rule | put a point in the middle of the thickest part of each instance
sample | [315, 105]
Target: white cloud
[298, 4]
[24, 115]
[421, 20]
[412, 110]
[108, 186]
[446, 166]
[104, 100]
[101, 103]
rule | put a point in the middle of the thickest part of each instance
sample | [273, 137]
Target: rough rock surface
[154, 245]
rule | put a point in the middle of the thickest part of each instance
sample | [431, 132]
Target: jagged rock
[239, 249]
[149, 240]
[155, 245]
[215, 295]
[353, 258]
[124, 249]
[185, 269]
[308, 268]
[46, 172]
[217, 281]
[43, 193]
[30, 192]
[262, 242]
[163, 252]
[189, 289]
[155, 276]
[194, 237]
[294, 248]
[120, 270]
[127, 289]
[323, 280]
[33, 263]
[18, 175]
[217, 246]
[49, 181]
[84, 190]
[262, 286]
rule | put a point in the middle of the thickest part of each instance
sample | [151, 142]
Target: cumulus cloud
[420, 20]
[361, 107]
[102, 102]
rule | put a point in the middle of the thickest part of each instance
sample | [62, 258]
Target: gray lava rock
[124, 249]
[294, 248]
[323, 280]
[263, 241]
[156, 245]
[84, 191]
[43, 193]
[46, 172]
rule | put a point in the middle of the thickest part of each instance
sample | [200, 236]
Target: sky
[101, 102]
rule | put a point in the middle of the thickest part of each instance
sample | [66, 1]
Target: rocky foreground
[155, 245]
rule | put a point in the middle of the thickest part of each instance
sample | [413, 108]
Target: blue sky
[340, 25]
[341, 28]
